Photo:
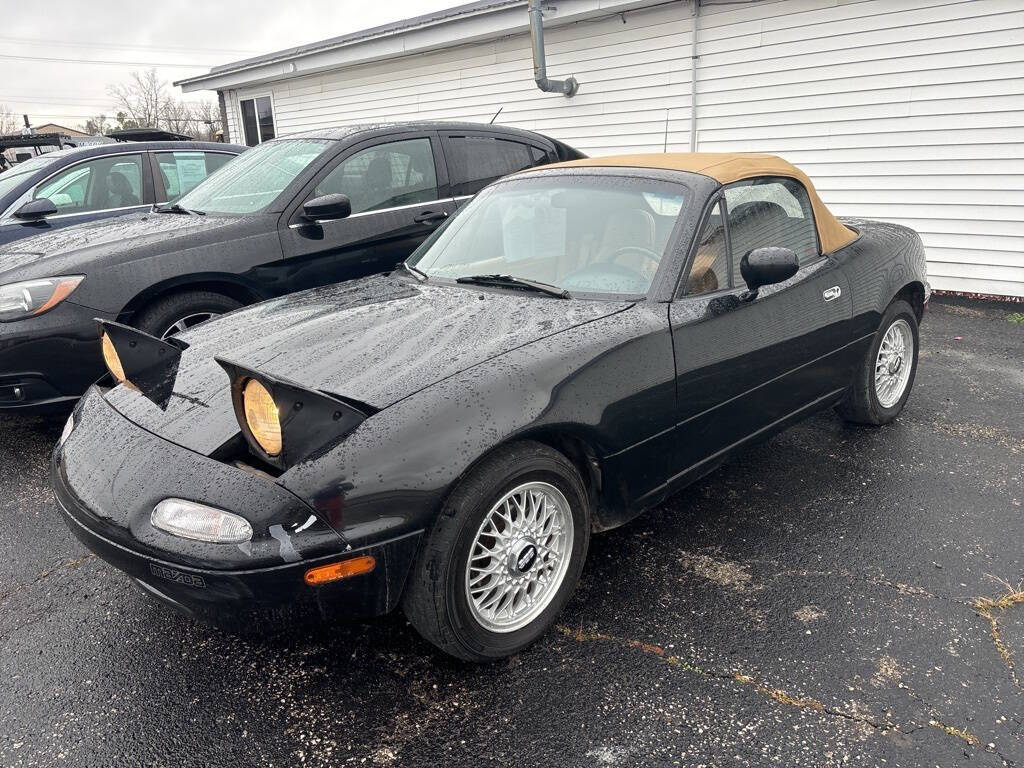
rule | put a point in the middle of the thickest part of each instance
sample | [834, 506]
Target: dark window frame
[146, 193]
[439, 189]
[159, 193]
[807, 197]
[292, 213]
[449, 137]
[260, 138]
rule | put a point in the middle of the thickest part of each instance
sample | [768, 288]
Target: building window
[257, 120]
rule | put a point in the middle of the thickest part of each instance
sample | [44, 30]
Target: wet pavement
[836, 596]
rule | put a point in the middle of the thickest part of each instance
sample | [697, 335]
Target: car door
[476, 158]
[398, 187]
[746, 365]
[176, 172]
[97, 188]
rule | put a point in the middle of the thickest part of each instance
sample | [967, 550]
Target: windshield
[12, 178]
[592, 234]
[254, 179]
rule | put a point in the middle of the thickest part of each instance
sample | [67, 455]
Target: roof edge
[471, 22]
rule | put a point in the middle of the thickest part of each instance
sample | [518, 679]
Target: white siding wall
[906, 110]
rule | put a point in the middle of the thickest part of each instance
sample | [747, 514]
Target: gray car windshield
[11, 178]
[254, 179]
[587, 234]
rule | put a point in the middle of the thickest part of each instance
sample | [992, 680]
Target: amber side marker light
[324, 574]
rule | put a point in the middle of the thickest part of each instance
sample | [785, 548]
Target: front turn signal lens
[111, 359]
[191, 520]
[262, 417]
[355, 566]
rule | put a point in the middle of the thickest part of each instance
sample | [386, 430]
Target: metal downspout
[567, 87]
[693, 79]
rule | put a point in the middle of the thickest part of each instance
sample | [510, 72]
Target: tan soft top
[727, 167]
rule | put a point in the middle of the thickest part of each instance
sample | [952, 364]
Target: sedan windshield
[253, 180]
[587, 234]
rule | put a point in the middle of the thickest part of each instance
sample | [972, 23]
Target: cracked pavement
[819, 601]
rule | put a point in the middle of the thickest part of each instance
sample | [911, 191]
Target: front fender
[610, 382]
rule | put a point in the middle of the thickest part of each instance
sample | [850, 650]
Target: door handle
[832, 293]
[430, 217]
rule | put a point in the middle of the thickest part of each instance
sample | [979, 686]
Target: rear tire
[453, 579]
[884, 378]
[182, 311]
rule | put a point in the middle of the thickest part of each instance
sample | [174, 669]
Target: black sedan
[291, 214]
[576, 344]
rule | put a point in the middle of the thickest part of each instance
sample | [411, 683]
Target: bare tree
[8, 120]
[208, 122]
[141, 101]
[177, 117]
[96, 126]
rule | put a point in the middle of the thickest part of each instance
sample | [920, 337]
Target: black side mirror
[36, 209]
[326, 207]
[767, 266]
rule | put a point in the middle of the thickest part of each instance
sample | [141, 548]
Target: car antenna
[665, 147]
[495, 116]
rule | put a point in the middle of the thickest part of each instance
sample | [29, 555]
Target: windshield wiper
[416, 272]
[175, 208]
[515, 282]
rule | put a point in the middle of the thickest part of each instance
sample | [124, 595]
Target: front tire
[179, 312]
[503, 557]
[883, 381]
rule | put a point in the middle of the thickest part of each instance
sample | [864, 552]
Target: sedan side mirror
[327, 207]
[767, 266]
[36, 210]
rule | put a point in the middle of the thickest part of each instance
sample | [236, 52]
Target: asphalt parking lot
[820, 601]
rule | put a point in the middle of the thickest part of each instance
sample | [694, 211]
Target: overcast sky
[50, 55]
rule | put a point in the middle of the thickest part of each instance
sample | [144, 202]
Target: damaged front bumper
[108, 474]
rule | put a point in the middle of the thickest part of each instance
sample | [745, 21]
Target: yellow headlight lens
[111, 359]
[262, 417]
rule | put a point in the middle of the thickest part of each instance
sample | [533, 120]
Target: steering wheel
[594, 277]
[645, 253]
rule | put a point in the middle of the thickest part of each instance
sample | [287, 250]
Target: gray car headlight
[34, 297]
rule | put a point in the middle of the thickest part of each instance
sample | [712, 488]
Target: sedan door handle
[430, 217]
[831, 293]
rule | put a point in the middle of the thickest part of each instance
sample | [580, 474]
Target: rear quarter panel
[878, 264]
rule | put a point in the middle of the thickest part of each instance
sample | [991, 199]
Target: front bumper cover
[49, 360]
[107, 476]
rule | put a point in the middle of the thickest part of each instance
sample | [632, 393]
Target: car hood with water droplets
[375, 341]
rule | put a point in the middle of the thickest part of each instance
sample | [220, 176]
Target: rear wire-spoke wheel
[892, 364]
[519, 557]
[503, 556]
[885, 376]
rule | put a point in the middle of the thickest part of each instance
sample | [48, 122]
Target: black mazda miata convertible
[574, 345]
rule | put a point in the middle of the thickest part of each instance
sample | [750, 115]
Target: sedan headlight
[200, 522]
[34, 297]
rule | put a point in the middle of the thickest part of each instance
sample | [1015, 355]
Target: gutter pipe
[566, 87]
[693, 79]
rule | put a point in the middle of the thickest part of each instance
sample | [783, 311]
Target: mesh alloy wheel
[893, 363]
[519, 557]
